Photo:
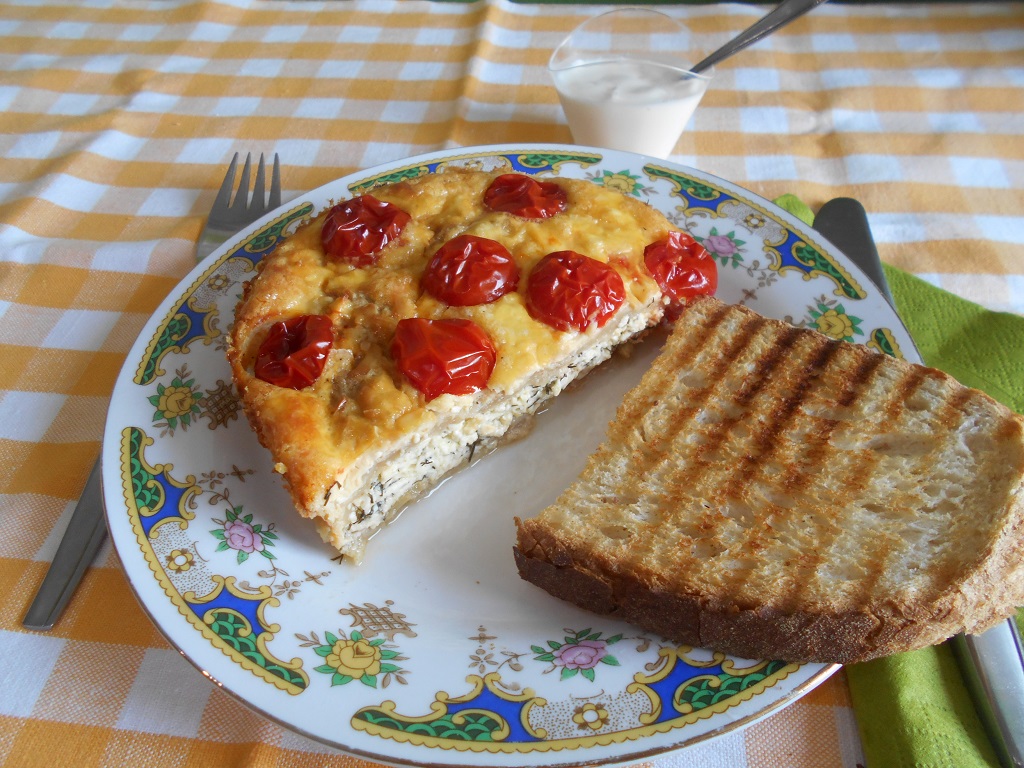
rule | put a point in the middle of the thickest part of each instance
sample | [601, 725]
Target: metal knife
[78, 547]
[992, 663]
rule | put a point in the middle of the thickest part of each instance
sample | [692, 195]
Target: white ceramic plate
[433, 651]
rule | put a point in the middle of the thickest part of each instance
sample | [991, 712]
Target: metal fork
[86, 529]
[228, 216]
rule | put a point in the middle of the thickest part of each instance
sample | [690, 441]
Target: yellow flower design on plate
[835, 322]
[218, 282]
[178, 403]
[354, 658]
[179, 560]
[592, 716]
[175, 401]
[620, 181]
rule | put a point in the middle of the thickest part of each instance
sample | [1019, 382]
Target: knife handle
[844, 220]
[993, 667]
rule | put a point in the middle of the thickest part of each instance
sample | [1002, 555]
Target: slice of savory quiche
[399, 332]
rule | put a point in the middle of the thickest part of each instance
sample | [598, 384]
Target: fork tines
[257, 204]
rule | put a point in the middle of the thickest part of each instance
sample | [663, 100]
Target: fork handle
[84, 534]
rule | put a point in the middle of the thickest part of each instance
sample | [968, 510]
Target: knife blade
[992, 663]
[82, 539]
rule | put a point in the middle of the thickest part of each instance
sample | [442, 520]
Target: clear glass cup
[624, 82]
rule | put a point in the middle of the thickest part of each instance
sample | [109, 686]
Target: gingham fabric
[119, 118]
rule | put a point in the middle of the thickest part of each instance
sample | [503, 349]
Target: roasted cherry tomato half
[525, 196]
[358, 229]
[682, 267]
[569, 291]
[440, 357]
[295, 351]
[469, 270]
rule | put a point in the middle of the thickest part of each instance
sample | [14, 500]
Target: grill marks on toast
[724, 468]
[754, 385]
[852, 479]
[648, 454]
[889, 436]
[773, 440]
[866, 463]
[785, 454]
[794, 468]
[681, 358]
[752, 447]
[839, 506]
[687, 429]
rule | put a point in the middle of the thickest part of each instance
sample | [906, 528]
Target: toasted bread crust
[841, 637]
[827, 503]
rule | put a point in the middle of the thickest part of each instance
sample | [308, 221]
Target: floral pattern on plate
[433, 651]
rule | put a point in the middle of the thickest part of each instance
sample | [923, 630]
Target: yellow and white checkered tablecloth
[118, 119]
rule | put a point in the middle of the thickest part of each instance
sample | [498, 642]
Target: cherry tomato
[682, 267]
[470, 270]
[440, 357]
[295, 351]
[569, 291]
[525, 196]
[358, 229]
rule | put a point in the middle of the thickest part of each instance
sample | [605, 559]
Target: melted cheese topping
[361, 404]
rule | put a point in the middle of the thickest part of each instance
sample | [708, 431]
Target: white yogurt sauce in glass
[628, 104]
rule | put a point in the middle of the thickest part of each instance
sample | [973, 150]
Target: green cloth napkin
[980, 348]
[913, 709]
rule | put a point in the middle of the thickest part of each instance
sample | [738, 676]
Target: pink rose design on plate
[720, 245]
[581, 653]
[586, 654]
[723, 247]
[240, 533]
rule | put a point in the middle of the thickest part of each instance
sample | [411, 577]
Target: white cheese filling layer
[376, 489]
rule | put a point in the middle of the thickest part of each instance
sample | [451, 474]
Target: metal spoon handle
[784, 13]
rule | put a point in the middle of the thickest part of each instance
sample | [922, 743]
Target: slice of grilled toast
[769, 492]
